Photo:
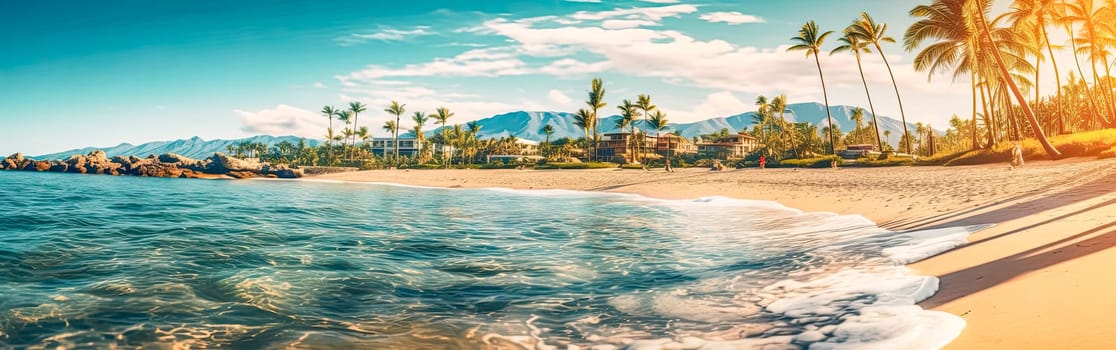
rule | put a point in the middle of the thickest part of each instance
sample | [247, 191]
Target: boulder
[57, 166]
[76, 164]
[221, 163]
[13, 162]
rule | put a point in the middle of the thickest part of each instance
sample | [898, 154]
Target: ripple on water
[111, 262]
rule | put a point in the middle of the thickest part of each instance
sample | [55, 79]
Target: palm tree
[887, 134]
[356, 108]
[763, 115]
[346, 117]
[596, 102]
[857, 117]
[548, 130]
[851, 42]
[1031, 16]
[1093, 40]
[1007, 77]
[659, 122]
[391, 127]
[420, 119]
[779, 103]
[329, 112]
[442, 115]
[644, 103]
[397, 110]
[584, 120]
[867, 29]
[628, 114]
[474, 129]
[956, 45]
[810, 40]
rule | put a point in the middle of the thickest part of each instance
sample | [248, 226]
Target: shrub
[890, 161]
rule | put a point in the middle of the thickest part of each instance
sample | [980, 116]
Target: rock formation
[163, 165]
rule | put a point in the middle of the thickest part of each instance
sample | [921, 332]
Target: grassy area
[1086, 144]
[891, 161]
[594, 165]
[819, 162]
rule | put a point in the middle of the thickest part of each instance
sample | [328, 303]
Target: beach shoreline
[994, 282]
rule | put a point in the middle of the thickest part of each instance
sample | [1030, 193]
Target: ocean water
[101, 261]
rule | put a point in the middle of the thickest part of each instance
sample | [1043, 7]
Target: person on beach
[1017, 156]
[763, 162]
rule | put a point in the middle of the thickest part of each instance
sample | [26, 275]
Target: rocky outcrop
[163, 165]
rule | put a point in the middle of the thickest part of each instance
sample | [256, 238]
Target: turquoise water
[101, 261]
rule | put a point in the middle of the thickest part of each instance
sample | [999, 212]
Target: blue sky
[82, 73]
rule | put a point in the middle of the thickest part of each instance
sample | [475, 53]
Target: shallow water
[102, 261]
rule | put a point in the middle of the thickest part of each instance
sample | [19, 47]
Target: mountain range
[523, 125]
[194, 147]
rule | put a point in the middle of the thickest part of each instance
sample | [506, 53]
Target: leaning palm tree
[867, 29]
[1006, 76]
[1032, 16]
[810, 40]
[851, 42]
[442, 116]
[397, 110]
[659, 122]
[1093, 40]
[356, 108]
[595, 102]
[644, 103]
[548, 130]
[329, 112]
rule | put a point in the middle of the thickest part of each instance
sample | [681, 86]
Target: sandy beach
[1038, 279]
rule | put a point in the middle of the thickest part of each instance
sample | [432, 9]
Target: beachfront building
[408, 146]
[675, 144]
[731, 147]
[620, 145]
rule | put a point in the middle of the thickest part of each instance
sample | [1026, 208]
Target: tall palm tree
[810, 40]
[442, 115]
[1031, 16]
[474, 129]
[779, 103]
[867, 29]
[857, 116]
[596, 102]
[356, 108]
[659, 122]
[644, 103]
[1006, 76]
[329, 112]
[397, 110]
[851, 42]
[887, 134]
[548, 130]
[584, 120]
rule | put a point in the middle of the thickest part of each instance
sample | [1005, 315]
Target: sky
[84, 73]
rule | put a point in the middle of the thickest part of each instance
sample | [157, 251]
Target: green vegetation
[589, 165]
[819, 162]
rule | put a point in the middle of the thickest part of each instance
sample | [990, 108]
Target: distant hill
[194, 147]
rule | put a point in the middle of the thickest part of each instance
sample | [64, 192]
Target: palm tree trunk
[829, 116]
[396, 160]
[1094, 110]
[1057, 78]
[988, 124]
[871, 107]
[896, 86]
[973, 80]
[1050, 150]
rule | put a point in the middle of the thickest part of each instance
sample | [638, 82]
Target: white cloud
[661, 1]
[626, 23]
[559, 97]
[384, 34]
[731, 18]
[283, 120]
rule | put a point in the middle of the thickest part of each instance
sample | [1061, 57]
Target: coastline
[1053, 222]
